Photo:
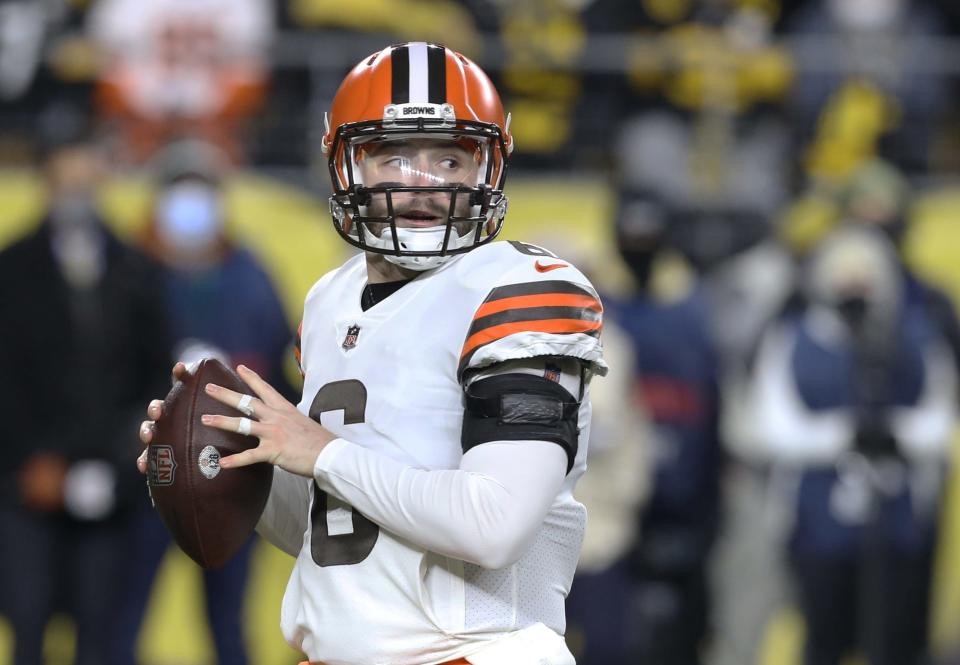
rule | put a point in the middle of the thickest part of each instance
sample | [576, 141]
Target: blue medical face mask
[189, 216]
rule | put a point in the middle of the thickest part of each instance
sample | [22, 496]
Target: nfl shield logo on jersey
[350, 340]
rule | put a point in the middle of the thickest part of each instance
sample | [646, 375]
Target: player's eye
[393, 162]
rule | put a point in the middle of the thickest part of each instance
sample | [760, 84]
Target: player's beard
[419, 211]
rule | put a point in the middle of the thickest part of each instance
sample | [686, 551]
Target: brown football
[209, 510]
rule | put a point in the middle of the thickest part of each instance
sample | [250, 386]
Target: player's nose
[420, 177]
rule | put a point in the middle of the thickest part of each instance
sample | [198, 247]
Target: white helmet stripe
[419, 73]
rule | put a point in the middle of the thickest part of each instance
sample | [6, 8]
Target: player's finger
[245, 404]
[146, 431]
[244, 458]
[142, 462]
[180, 370]
[264, 390]
[155, 409]
[244, 425]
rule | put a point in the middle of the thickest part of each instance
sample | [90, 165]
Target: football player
[424, 482]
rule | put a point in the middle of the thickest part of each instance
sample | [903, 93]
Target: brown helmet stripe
[437, 74]
[399, 75]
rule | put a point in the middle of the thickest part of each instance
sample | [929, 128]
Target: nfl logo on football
[350, 340]
[161, 466]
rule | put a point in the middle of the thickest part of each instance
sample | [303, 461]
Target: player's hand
[288, 438]
[154, 410]
[41, 481]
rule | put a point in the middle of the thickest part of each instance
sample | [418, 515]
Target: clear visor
[420, 161]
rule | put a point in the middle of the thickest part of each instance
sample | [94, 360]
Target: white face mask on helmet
[420, 247]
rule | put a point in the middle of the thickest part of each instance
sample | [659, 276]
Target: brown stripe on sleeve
[536, 288]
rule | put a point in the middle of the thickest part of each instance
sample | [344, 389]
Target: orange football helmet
[417, 145]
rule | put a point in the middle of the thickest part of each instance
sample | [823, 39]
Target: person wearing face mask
[675, 381]
[80, 343]
[854, 399]
[879, 197]
[220, 303]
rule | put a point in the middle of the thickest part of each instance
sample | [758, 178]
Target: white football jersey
[389, 379]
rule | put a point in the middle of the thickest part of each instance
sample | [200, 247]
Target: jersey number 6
[354, 546]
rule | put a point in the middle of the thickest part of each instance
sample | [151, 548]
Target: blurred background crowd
[765, 191]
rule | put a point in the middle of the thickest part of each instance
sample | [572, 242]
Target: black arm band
[520, 407]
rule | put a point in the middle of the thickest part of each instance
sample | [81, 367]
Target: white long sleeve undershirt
[486, 512]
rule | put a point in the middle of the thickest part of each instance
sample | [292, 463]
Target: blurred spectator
[220, 303]
[40, 63]
[700, 119]
[542, 42]
[705, 133]
[443, 21]
[22, 27]
[856, 394]
[746, 291]
[675, 377]
[880, 197]
[82, 345]
[172, 67]
[867, 83]
[620, 442]
[600, 616]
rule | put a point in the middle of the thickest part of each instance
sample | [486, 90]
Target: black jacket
[77, 371]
